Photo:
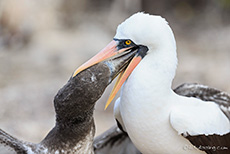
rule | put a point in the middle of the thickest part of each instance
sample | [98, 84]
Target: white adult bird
[156, 118]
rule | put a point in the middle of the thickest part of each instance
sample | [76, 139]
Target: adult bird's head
[141, 34]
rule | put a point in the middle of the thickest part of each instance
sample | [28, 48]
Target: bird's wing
[114, 141]
[212, 143]
[206, 93]
[117, 115]
[10, 145]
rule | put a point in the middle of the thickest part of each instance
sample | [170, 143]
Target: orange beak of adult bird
[115, 49]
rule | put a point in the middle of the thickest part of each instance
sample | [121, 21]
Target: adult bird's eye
[128, 42]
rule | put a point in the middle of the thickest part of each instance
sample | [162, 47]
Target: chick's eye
[127, 42]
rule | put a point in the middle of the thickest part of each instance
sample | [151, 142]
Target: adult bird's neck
[157, 70]
[151, 80]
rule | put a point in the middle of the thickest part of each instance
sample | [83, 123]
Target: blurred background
[43, 42]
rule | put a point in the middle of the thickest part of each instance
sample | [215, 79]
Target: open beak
[142, 51]
[109, 51]
[121, 61]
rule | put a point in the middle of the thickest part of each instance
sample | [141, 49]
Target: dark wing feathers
[114, 141]
[211, 144]
[10, 144]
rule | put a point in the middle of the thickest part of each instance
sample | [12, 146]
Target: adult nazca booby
[151, 113]
[157, 119]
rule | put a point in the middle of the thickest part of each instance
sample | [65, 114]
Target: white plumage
[152, 114]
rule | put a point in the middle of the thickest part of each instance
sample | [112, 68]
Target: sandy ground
[31, 75]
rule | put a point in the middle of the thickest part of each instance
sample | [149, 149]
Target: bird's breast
[145, 114]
